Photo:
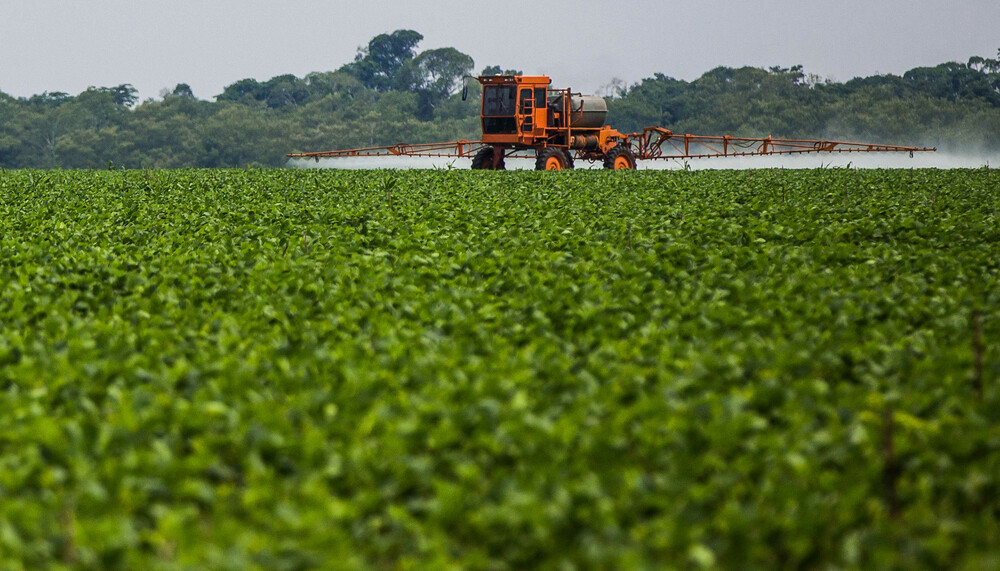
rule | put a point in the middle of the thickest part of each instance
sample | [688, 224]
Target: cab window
[498, 100]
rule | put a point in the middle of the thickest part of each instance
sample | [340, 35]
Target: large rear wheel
[484, 160]
[553, 159]
[619, 158]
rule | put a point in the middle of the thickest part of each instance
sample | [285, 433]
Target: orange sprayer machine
[522, 116]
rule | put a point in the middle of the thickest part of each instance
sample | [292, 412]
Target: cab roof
[514, 79]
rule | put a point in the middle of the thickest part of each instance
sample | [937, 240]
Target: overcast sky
[63, 45]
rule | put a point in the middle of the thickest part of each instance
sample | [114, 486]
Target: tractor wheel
[619, 158]
[553, 159]
[484, 160]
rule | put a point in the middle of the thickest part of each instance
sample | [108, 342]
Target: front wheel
[620, 158]
[553, 159]
[484, 160]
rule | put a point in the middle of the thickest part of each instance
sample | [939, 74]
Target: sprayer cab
[524, 112]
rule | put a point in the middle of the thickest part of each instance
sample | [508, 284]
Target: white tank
[586, 111]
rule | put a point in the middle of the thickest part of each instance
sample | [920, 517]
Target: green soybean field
[279, 369]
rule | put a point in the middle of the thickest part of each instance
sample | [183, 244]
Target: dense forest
[392, 92]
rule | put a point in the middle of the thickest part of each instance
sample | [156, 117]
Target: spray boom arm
[659, 143]
[653, 143]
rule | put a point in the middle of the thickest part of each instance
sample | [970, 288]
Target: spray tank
[586, 111]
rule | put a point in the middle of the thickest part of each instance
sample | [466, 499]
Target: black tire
[549, 156]
[484, 160]
[617, 156]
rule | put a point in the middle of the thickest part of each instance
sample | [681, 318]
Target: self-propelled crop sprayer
[522, 116]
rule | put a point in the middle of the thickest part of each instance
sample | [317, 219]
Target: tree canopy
[377, 65]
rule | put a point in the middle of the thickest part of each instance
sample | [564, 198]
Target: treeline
[389, 93]
[394, 93]
[952, 106]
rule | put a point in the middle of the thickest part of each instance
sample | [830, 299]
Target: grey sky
[63, 45]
